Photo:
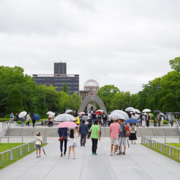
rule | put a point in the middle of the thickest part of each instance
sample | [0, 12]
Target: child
[38, 144]
[72, 143]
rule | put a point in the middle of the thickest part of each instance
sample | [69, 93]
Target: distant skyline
[124, 43]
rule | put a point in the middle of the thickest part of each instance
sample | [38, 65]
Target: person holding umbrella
[33, 120]
[28, 118]
[64, 134]
[147, 119]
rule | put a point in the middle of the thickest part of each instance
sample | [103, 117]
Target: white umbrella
[100, 110]
[68, 111]
[137, 111]
[51, 115]
[64, 117]
[121, 112]
[146, 110]
[116, 116]
[162, 114]
[22, 114]
[129, 109]
[49, 112]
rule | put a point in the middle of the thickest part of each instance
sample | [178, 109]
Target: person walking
[114, 134]
[39, 141]
[104, 120]
[72, 143]
[83, 131]
[22, 121]
[95, 135]
[159, 119]
[28, 118]
[33, 120]
[17, 118]
[93, 117]
[11, 118]
[122, 139]
[171, 119]
[147, 119]
[132, 136]
[63, 132]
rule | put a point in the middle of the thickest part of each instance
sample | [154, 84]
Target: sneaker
[36, 156]
[39, 155]
[119, 153]
[123, 153]
[61, 154]
[111, 154]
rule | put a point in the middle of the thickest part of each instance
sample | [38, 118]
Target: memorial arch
[92, 99]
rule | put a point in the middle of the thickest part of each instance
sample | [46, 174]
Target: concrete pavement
[138, 163]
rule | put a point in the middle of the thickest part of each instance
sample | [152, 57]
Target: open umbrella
[66, 125]
[81, 113]
[156, 111]
[137, 111]
[162, 114]
[49, 112]
[51, 115]
[116, 116]
[131, 121]
[68, 111]
[121, 112]
[97, 112]
[64, 117]
[36, 117]
[129, 109]
[100, 110]
[146, 110]
[22, 114]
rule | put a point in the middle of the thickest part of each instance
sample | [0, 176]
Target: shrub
[165, 122]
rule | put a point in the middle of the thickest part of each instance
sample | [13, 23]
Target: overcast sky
[120, 42]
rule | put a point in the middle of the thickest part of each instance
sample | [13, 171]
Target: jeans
[94, 145]
[83, 140]
[22, 123]
[104, 123]
[65, 145]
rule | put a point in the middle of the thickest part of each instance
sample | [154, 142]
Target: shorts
[38, 146]
[114, 141]
[123, 141]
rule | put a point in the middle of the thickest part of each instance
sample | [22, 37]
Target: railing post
[20, 150]
[179, 155]
[0, 159]
[11, 157]
[28, 147]
[161, 149]
[170, 150]
[165, 140]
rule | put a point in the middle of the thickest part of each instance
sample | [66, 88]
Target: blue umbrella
[36, 117]
[131, 121]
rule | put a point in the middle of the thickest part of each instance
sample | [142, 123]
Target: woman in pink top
[114, 134]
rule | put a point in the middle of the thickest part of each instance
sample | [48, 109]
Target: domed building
[91, 87]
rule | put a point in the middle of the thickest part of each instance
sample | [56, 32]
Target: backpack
[133, 130]
[126, 131]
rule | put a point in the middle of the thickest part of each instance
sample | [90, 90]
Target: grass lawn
[7, 146]
[177, 145]
[165, 152]
[5, 158]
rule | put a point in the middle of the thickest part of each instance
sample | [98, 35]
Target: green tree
[63, 101]
[175, 64]
[14, 101]
[75, 101]
[65, 88]
[107, 93]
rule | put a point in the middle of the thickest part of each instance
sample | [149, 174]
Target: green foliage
[65, 88]
[175, 64]
[19, 92]
[107, 93]
[14, 101]
[165, 122]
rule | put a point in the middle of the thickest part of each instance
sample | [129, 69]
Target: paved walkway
[139, 163]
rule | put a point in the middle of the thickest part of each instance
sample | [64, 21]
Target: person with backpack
[122, 139]
[114, 134]
[132, 136]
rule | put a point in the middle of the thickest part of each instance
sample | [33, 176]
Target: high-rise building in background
[60, 68]
[59, 78]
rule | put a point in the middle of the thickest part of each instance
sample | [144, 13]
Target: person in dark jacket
[147, 119]
[63, 132]
[83, 131]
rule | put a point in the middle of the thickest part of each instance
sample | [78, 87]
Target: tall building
[59, 78]
[60, 68]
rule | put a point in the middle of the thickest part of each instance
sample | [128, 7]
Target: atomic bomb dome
[91, 86]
